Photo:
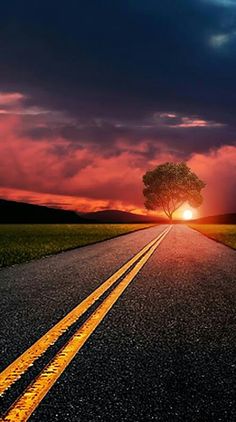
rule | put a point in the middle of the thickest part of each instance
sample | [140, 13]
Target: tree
[169, 186]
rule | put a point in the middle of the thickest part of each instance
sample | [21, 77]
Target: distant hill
[217, 219]
[114, 216]
[20, 212]
[12, 212]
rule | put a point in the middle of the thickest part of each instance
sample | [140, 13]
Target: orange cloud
[60, 201]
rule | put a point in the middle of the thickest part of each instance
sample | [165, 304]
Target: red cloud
[218, 170]
[55, 171]
[10, 98]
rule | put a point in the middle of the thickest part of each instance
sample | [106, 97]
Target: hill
[20, 212]
[217, 219]
[115, 216]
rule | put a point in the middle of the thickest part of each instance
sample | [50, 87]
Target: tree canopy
[170, 185]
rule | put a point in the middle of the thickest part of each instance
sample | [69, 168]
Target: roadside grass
[23, 242]
[224, 233]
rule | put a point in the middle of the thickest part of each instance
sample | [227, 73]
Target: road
[164, 352]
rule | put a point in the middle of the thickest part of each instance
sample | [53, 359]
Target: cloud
[54, 167]
[54, 171]
[66, 202]
[176, 120]
[219, 40]
[10, 98]
[218, 169]
[123, 60]
[89, 101]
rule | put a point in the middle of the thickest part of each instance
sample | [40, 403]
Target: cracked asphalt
[166, 350]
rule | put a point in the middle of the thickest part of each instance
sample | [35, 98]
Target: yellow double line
[35, 392]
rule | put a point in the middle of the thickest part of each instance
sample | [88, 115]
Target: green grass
[23, 242]
[224, 233]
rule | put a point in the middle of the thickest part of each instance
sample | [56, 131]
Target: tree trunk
[170, 219]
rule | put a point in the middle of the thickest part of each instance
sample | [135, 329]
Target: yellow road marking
[33, 395]
[14, 371]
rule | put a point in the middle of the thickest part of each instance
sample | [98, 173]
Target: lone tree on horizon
[169, 186]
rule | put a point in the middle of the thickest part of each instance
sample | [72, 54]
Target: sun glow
[187, 215]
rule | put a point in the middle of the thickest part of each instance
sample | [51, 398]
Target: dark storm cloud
[105, 138]
[124, 61]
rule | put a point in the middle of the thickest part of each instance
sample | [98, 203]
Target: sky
[95, 93]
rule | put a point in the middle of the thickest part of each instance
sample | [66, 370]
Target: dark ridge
[12, 212]
[115, 216]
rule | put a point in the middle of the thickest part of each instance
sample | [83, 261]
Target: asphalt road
[166, 350]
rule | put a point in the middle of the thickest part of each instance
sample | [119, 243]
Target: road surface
[166, 349]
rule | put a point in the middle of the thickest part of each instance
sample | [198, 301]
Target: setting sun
[187, 215]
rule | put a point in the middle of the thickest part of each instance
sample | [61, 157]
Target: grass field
[224, 233]
[23, 242]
